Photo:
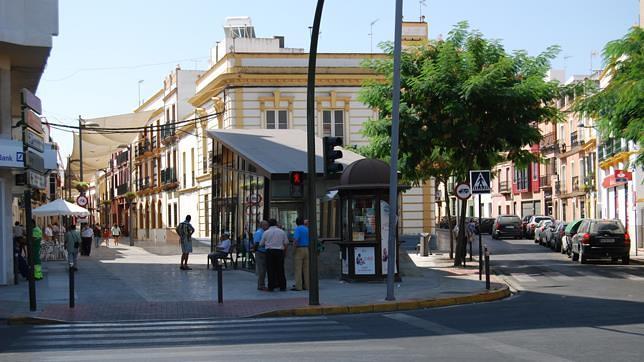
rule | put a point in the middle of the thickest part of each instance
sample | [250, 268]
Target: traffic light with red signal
[296, 181]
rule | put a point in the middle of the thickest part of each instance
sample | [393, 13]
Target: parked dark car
[507, 225]
[554, 235]
[524, 225]
[487, 225]
[601, 239]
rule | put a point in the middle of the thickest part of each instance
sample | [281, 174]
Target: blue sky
[105, 47]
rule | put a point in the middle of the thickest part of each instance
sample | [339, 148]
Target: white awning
[99, 147]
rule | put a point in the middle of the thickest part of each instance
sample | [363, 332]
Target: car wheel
[626, 260]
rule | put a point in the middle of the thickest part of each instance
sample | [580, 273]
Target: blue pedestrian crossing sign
[480, 181]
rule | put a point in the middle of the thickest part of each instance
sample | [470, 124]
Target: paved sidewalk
[144, 282]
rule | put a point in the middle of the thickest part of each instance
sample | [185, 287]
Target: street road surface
[563, 311]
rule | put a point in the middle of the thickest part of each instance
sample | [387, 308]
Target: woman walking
[116, 233]
[86, 240]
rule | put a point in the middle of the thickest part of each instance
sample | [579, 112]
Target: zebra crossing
[183, 332]
[537, 274]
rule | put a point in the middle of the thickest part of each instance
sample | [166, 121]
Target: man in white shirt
[222, 249]
[275, 241]
[49, 233]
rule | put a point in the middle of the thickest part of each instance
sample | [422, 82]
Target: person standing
[86, 240]
[116, 233]
[260, 255]
[57, 232]
[185, 231]
[97, 235]
[106, 235]
[72, 243]
[36, 235]
[301, 254]
[275, 241]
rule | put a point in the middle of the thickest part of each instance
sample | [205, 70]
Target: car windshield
[509, 219]
[607, 226]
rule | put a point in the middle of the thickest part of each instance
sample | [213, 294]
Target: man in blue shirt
[260, 256]
[301, 255]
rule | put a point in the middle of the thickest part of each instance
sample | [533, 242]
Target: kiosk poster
[365, 263]
[384, 236]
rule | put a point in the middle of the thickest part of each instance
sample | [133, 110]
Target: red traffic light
[296, 177]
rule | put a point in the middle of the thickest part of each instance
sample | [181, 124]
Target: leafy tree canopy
[466, 103]
[618, 108]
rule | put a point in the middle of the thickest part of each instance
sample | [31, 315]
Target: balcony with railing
[611, 147]
[143, 183]
[504, 187]
[549, 143]
[574, 139]
[168, 134]
[122, 158]
[169, 179]
[575, 184]
[545, 181]
[122, 189]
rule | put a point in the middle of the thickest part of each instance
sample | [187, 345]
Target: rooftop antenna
[421, 3]
[371, 34]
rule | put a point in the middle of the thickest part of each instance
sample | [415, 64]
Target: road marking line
[558, 276]
[522, 277]
[490, 344]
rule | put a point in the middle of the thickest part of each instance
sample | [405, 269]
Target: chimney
[281, 40]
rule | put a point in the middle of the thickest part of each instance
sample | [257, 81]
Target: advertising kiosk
[364, 217]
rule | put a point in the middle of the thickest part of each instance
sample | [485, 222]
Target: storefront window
[364, 219]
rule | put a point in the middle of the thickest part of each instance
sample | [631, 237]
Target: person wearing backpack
[185, 231]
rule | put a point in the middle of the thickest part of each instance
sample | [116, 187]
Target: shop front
[250, 180]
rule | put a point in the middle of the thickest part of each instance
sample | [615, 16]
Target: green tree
[466, 104]
[618, 108]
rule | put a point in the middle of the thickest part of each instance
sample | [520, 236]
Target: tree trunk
[449, 222]
[461, 249]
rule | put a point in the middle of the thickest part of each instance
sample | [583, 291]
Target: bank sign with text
[11, 155]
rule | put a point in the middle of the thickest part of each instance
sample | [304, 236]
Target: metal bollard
[71, 285]
[470, 250]
[220, 284]
[423, 244]
[487, 269]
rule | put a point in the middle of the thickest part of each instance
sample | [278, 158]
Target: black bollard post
[220, 284]
[487, 269]
[71, 286]
[471, 251]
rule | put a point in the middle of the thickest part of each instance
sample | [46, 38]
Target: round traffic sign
[463, 191]
[81, 201]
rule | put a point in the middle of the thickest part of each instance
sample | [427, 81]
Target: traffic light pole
[393, 176]
[314, 292]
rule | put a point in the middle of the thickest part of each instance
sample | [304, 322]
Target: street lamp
[129, 189]
[81, 125]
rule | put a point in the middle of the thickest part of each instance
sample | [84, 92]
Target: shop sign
[35, 141]
[30, 100]
[623, 176]
[35, 161]
[33, 120]
[37, 180]
[11, 155]
[364, 263]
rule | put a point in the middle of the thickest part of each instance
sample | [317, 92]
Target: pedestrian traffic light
[296, 180]
[331, 155]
